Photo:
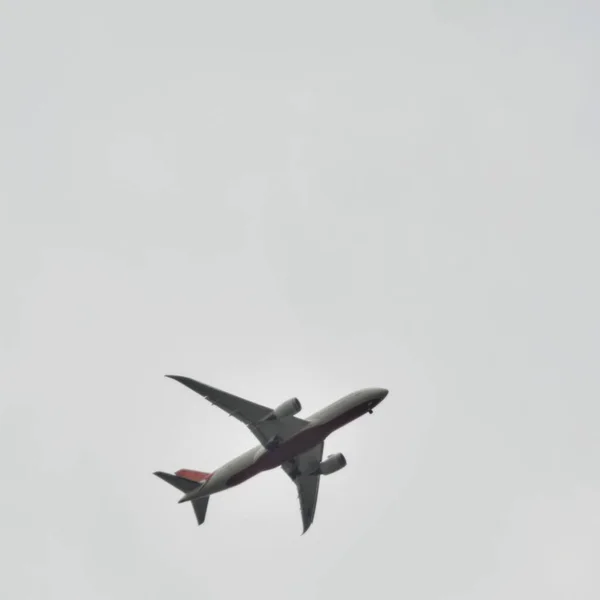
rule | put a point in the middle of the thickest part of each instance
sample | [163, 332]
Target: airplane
[287, 441]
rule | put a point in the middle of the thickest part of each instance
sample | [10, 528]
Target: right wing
[247, 412]
[299, 469]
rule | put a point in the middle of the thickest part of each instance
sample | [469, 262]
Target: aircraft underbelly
[301, 442]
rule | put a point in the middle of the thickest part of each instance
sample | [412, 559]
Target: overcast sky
[300, 200]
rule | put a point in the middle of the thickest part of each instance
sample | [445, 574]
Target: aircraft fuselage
[320, 425]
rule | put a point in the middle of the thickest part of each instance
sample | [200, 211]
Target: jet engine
[289, 408]
[333, 463]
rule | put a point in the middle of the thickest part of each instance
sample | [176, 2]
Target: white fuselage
[320, 425]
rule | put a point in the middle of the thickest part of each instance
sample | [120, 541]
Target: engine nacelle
[289, 408]
[333, 463]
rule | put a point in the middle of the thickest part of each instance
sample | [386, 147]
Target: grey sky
[300, 201]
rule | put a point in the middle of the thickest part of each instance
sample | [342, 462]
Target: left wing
[299, 469]
[247, 412]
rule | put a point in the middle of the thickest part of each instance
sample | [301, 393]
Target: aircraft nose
[382, 392]
[379, 394]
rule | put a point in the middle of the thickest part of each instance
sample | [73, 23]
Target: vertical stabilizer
[198, 476]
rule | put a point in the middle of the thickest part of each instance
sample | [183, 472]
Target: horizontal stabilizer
[200, 505]
[181, 483]
[187, 485]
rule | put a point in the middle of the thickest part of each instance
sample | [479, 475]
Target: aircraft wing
[245, 411]
[298, 470]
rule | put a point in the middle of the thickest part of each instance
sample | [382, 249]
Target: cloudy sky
[300, 200]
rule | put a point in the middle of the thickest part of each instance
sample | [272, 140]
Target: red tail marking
[193, 475]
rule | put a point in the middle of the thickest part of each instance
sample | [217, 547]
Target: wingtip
[160, 475]
[179, 378]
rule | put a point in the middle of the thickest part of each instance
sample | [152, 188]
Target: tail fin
[187, 483]
[197, 476]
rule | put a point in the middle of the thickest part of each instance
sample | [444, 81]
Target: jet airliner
[286, 441]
